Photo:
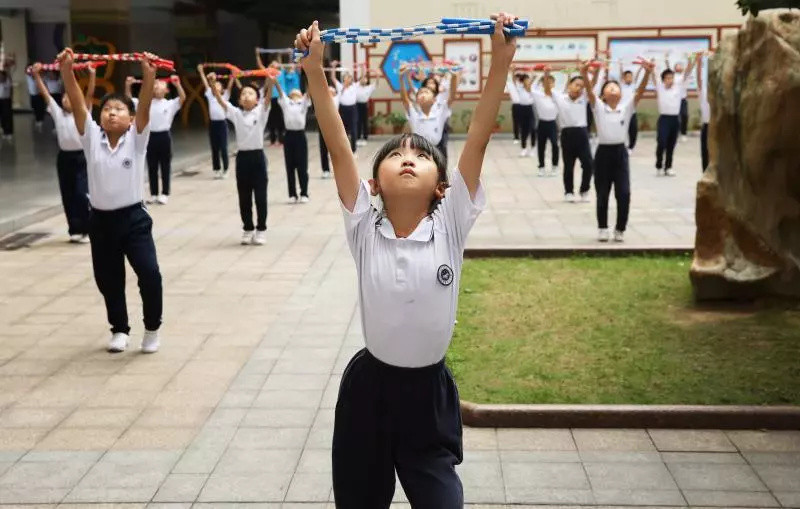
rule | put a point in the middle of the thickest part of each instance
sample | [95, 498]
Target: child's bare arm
[90, 88]
[345, 170]
[145, 93]
[73, 90]
[212, 79]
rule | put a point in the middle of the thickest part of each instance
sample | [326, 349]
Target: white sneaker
[151, 200]
[247, 238]
[669, 173]
[603, 235]
[516, 142]
[630, 151]
[524, 153]
[84, 239]
[150, 341]
[554, 171]
[684, 139]
[542, 173]
[225, 174]
[162, 199]
[619, 236]
[326, 174]
[217, 174]
[75, 238]
[304, 199]
[361, 143]
[569, 198]
[118, 342]
[585, 197]
[292, 200]
[260, 239]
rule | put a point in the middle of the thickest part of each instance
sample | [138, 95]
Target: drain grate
[22, 239]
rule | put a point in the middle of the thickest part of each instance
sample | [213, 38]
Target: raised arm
[36, 73]
[176, 80]
[584, 68]
[345, 170]
[688, 73]
[454, 78]
[201, 72]
[548, 87]
[483, 120]
[404, 91]
[231, 81]
[212, 78]
[280, 89]
[259, 63]
[699, 59]
[332, 75]
[128, 84]
[73, 90]
[267, 90]
[90, 88]
[648, 70]
[145, 93]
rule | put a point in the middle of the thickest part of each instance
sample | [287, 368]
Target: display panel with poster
[467, 54]
[555, 48]
[678, 49]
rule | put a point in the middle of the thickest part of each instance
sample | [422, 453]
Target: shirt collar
[104, 140]
[422, 233]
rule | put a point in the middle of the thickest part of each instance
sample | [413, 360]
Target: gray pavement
[237, 407]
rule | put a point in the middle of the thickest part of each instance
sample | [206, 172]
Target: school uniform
[527, 117]
[611, 166]
[363, 93]
[668, 126]
[443, 98]
[159, 149]
[705, 117]
[56, 88]
[574, 139]
[120, 226]
[295, 146]
[6, 111]
[430, 126]
[251, 163]
[37, 101]
[348, 111]
[513, 94]
[628, 93]
[71, 168]
[218, 131]
[323, 148]
[275, 123]
[684, 113]
[547, 129]
[398, 405]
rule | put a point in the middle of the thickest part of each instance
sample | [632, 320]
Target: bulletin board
[679, 49]
[467, 54]
[555, 48]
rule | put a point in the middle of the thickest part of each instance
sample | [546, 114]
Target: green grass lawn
[615, 330]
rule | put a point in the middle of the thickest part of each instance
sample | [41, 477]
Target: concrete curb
[565, 251]
[631, 416]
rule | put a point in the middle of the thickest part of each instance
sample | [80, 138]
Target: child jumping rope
[249, 123]
[218, 126]
[120, 226]
[398, 406]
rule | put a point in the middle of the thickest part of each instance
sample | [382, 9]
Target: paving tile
[629, 476]
[703, 457]
[780, 477]
[315, 461]
[719, 477]
[309, 487]
[773, 458]
[766, 441]
[529, 495]
[549, 475]
[253, 461]
[115, 417]
[612, 440]
[269, 438]
[255, 488]
[80, 439]
[276, 418]
[44, 474]
[288, 399]
[180, 488]
[25, 495]
[620, 457]
[788, 499]
[480, 438]
[730, 498]
[32, 417]
[535, 439]
[691, 440]
[639, 497]
[111, 494]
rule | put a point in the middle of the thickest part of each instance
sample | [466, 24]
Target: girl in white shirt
[612, 117]
[364, 90]
[217, 126]
[249, 123]
[398, 407]
[347, 90]
[427, 116]
[70, 162]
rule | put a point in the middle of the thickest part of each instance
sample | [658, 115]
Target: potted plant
[498, 122]
[397, 121]
[376, 123]
[755, 6]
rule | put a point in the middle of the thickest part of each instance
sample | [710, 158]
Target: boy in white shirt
[547, 128]
[669, 95]
[120, 226]
[217, 126]
[295, 146]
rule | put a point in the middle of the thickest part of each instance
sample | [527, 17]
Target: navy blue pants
[633, 131]
[39, 107]
[218, 136]
[611, 169]
[349, 116]
[527, 128]
[71, 168]
[363, 121]
[116, 235]
[396, 419]
[295, 155]
[684, 116]
[704, 146]
[323, 155]
[6, 116]
[667, 137]
[251, 183]
[275, 124]
[515, 125]
[547, 131]
[575, 144]
[159, 159]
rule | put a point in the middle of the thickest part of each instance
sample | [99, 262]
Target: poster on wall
[398, 53]
[467, 54]
[549, 49]
[674, 49]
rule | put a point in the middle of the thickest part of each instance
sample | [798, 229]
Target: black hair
[435, 84]
[415, 142]
[252, 85]
[667, 72]
[627, 73]
[575, 78]
[607, 83]
[519, 76]
[119, 96]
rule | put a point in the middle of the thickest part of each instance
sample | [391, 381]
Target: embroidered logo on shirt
[445, 275]
[127, 163]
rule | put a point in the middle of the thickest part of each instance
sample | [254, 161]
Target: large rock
[748, 201]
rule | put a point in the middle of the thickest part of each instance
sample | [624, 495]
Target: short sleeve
[91, 133]
[360, 222]
[176, 105]
[338, 86]
[232, 113]
[52, 107]
[225, 95]
[263, 110]
[135, 102]
[630, 108]
[141, 138]
[458, 210]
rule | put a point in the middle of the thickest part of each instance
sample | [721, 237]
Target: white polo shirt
[215, 111]
[408, 288]
[294, 112]
[116, 176]
[628, 91]
[162, 113]
[512, 91]
[66, 130]
[347, 95]
[363, 93]
[612, 125]
[249, 125]
[525, 97]
[679, 80]
[5, 88]
[546, 107]
[669, 99]
[33, 89]
[571, 113]
[430, 126]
